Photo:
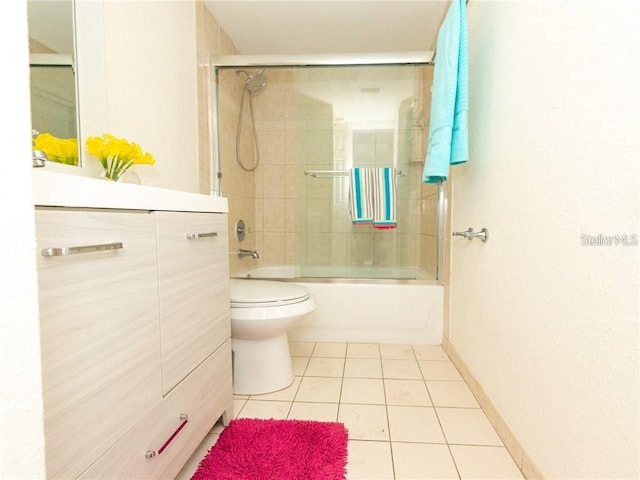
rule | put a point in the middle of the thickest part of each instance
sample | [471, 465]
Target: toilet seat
[262, 312]
[265, 293]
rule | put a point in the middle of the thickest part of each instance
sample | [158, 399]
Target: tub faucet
[248, 253]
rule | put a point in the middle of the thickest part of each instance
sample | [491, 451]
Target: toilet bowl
[262, 312]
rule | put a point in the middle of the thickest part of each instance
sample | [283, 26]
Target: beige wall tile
[318, 215]
[273, 249]
[273, 181]
[386, 249]
[340, 249]
[317, 250]
[292, 216]
[409, 249]
[291, 249]
[429, 215]
[273, 215]
[272, 147]
[428, 254]
[296, 133]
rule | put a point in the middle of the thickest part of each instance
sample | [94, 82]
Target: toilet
[262, 311]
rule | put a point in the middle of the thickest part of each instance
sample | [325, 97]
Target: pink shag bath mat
[255, 449]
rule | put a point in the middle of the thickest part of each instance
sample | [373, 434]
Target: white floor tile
[322, 412]
[299, 365]
[301, 349]
[238, 403]
[265, 409]
[286, 394]
[319, 389]
[401, 369]
[396, 352]
[406, 392]
[335, 350]
[192, 464]
[467, 426]
[363, 390]
[484, 463]
[439, 370]
[383, 394]
[217, 427]
[451, 394]
[363, 350]
[363, 368]
[430, 352]
[364, 422]
[414, 424]
[325, 367]
[369, 461]
[422, 461]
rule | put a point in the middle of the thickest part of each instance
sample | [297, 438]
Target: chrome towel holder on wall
[470, 234]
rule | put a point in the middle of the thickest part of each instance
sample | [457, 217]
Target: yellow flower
[117, 154]
[60, 150]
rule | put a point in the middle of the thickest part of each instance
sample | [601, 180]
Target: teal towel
[448, 127]
[384, 198]
[361, 196]
[372, 197]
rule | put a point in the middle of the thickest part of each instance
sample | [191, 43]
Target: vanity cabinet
[194, 290]
[135, 329]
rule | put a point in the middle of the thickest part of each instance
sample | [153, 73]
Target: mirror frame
[61, 59]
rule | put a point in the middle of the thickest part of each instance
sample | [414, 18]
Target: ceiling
[290, 26]
[316, 27]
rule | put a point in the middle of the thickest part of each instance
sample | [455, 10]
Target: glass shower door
[358, 116]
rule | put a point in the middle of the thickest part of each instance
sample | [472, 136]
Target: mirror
[54, 92]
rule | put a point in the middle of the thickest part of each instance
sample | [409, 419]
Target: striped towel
[372, 197]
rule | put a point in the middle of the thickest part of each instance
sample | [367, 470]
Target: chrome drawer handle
[194, 236]
[64, 251]
[154, 453]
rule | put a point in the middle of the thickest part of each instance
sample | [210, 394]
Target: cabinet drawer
[204, 396]
[99, 333]
[194, 290]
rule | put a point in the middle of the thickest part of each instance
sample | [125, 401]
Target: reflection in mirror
[54, 112]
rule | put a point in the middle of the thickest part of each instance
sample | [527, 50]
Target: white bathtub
[376, 311]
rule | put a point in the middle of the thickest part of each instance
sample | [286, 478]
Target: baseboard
[512, 444]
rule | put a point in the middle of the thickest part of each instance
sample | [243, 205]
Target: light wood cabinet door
[202, 397]
[99, 330]
[193, 276]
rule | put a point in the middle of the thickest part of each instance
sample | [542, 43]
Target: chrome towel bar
[469, 234]
[337, 173]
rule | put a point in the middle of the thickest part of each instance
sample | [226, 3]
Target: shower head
[256, 82]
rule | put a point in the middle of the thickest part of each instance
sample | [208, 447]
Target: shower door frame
[318, 60]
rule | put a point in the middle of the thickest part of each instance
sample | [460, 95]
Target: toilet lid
[265, 293]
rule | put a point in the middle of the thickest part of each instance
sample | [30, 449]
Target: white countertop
[53, 189]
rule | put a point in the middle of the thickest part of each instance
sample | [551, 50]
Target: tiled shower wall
[428, 208]
[294, 218]
[238, 186]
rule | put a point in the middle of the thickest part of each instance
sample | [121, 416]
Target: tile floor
[409, 413]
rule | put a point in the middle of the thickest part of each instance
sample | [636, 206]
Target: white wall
[151, 86]
[137, 80]
[22, 444]
[549, 327]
